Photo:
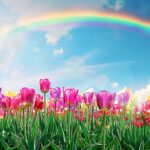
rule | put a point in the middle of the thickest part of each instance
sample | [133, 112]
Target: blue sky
[74, 56]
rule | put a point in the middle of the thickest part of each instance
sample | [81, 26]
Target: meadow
[67, 119]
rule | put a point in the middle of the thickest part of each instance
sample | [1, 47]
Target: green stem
[55, 107]
[104, 131]
[34, 118]
[69, 120]
[87, 116]
[28, 117]
[92, 121]
[45, 106]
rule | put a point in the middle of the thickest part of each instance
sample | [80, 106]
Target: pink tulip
[55, 93]
[6, 103]
[123, 98]
[27, 96]
[70, 96]
[79, 100]
[39, 103]
[15, 103]
[89, 98]
[105, 100]
[44, 85]
[147, 106]
[2, 114]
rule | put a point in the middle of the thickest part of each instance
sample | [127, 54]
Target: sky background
[74, 56]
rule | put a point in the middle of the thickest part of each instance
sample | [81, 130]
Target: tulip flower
[39, 103]
[105, 100]
[2, 114]
[89, 98]
[55, 93]
[70, 96]
[27, 96]
[44, 85]
[16, 103]
[5, 103]
[123, 98]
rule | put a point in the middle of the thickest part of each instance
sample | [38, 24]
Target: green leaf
[31, 143]
[40, 140]
[85, 133]
[61, 131]
[128, 146]
[141, 147]
[54, 146]
[72, 145]
[92, 146]
[42, 124]
[147, 145]
[114, 144]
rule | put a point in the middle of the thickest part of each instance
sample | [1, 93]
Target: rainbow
[81, 17]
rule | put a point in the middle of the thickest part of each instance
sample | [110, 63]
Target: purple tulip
[89, 98]
[105, 99]
[55, 93]
[70, 96]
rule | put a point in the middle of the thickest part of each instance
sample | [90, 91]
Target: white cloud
[115, 5]
[54, 34]
[114, 85]
[142, 95]
[119, 5]
[59, 51]
[9, 49]
[74, 72]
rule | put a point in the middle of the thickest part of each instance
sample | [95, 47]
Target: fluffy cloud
[115, 5]
[114, 85]
[73, 72]
[55, 34]
[9, 49]
[59, 51]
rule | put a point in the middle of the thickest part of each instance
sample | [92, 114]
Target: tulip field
[69, 119]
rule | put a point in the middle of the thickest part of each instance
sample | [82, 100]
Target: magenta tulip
[6, 103]
[55, 93]
[105, 99]
[16, 103]
[89, 98]
[70, 96]
[44, 85]
[123, 98]
[27, 96]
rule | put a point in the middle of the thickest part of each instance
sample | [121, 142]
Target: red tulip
[70, 96]
[39, 103]
[105, 100]
[27, 96]
[44, 85]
